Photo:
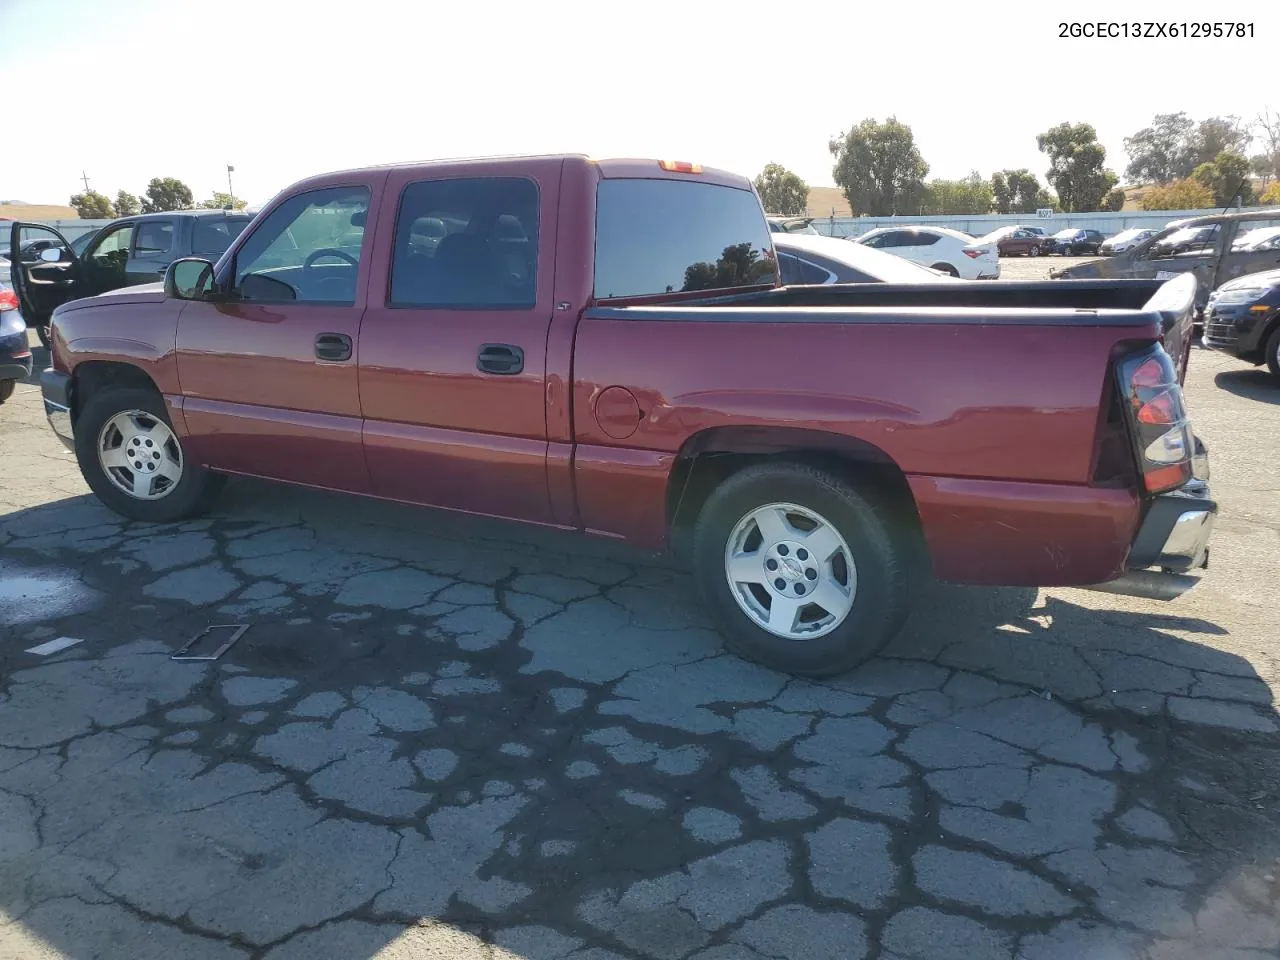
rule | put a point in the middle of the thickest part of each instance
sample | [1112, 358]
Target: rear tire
[98, 427]
[1034, 252]
[6, 389]
[946, 268]
[855, 578]
[1273, 352]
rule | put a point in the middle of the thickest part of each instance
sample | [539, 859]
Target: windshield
[998, 234]
[1124, 236]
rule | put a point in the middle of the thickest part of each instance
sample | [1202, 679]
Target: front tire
[802, 571]
[133, 460]
[1273, 352]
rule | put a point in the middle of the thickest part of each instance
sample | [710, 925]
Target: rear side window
[669, 236]
[212, 235]
[153, 237]
[922, 240]
[795, 270]
[468, 243]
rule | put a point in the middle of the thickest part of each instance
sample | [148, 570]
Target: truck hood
[138, 293]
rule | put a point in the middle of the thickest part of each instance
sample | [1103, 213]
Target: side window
[153, 237]
[308, 248]
[789, 269]
[112, 248]
[466, 243]
[812, 273]
[877, 241]
[212, 235]
[922, 239]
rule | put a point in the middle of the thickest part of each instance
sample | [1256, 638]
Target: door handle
[333, 346]
[500, 358]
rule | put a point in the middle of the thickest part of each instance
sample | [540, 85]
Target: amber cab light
[680, 166]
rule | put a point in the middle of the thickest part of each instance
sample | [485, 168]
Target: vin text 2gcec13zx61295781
[604, 346]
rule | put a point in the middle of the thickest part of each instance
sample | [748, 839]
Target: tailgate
[1175, 302]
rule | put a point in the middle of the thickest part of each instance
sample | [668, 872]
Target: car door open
[44, 271]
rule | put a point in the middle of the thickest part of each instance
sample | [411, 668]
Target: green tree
[1272, 195]
[1262, 167]
[92, 205]
[1184, 194]
[781, 191]
[1045, 199]
[1162, 152]
[224, 201]
[1227, 177]
[971, 195]
[167, 193]
[879, 168]
[1114, 200]
[1076, 166]
[1219, 135]
[127, 204]
[739, 265]
[1015, 191]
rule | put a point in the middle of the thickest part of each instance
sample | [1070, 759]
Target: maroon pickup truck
[603, 346]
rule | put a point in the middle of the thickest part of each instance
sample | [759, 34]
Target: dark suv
[1074, 243]
[125, 252]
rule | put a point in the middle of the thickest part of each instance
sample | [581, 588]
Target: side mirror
[51, 254]
[190, 278]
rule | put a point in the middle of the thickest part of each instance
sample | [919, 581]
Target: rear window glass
[669, 236]
[212, 235]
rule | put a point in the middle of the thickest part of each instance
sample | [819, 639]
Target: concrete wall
[1108, 223]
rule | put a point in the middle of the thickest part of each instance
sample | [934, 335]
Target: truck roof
[614, 167]
[1261, 213]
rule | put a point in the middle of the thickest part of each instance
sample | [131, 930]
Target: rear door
[154, 245]
[41, 285]
[453, 348]
[269, 377]
[1237, 263]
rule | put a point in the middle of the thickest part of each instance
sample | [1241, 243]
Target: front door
[269, 377]
[453, 346]
[41, 284]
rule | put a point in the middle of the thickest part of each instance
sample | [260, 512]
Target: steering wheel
[315, 255]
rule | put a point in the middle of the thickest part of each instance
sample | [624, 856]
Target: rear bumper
[1174, 536]
[56, 388]
[12, 368]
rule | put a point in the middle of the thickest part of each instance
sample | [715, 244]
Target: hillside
[36, 211]
[823, 199]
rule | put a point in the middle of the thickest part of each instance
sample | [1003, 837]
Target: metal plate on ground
[192, 649]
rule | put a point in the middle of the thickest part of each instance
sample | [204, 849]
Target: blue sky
[283, 89]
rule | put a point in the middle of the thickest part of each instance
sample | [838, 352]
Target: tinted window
[922, 239]
[467, 243]
[303, 249]
[795, 270]
[154, 236]
[113, 246]
[212, 235]
[663, 236]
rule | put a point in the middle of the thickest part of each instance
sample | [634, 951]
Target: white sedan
[941, 248]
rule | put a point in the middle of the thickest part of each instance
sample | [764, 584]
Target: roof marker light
[680, 166]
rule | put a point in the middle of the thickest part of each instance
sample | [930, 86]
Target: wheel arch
[709, 457]
[94, 376]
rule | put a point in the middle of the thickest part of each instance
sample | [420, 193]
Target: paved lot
[450, 740]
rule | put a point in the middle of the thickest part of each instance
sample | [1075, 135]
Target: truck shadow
[1256, 384]
[546, 751]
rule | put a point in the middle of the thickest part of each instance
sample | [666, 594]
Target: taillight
[1157, 416]
[8, 300]
[972, 254]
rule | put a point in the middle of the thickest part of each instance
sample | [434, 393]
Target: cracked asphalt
[444, 738]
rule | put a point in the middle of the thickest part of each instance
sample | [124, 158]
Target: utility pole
[231, 192]
[85, 177]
